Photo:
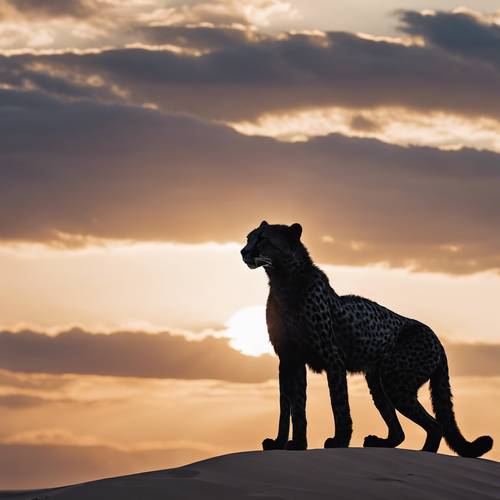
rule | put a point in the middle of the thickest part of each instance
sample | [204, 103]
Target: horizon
[142, 140]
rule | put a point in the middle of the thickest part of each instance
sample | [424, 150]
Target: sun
[247, 330]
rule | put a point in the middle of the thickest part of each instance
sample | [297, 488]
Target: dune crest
[314, 474]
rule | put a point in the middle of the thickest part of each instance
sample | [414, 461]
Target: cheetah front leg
[337, 383]
[299, 421]
[292, 401]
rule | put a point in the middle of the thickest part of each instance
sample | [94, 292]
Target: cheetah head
[270, 244]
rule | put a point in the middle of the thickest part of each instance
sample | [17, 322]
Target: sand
[353, 473]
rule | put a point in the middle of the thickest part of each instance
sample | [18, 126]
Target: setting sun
[248, 331]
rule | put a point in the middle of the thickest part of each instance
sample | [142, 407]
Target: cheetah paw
[334, 442]
[296, 445]
[272, 444]
[375, 442]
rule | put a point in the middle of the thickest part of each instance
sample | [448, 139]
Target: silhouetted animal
[309, 324]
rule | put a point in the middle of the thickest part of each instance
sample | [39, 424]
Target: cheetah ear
[296, 231]
[263, 223]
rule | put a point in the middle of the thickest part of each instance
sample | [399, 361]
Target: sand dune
[353, 473]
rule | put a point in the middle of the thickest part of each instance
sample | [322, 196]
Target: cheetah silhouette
[309, 324]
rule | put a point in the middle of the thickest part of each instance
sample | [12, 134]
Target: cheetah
[310, 324]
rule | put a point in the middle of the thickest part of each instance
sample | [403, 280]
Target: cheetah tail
[442, 404]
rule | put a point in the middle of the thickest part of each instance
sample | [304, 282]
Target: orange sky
[108, 426]
[151, 287]
[140, 141]
[87, 418]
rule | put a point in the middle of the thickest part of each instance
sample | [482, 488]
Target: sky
[141, 140]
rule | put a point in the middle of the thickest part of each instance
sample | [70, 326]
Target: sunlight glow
[393, 125]
[247, 330]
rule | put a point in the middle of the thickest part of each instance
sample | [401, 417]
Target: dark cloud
[359, 122]
[474, 359]
[18, 73]
[19, 401]
[33, 382]
[201, 38]
[135, 354]
[457, 32]
[126, 172]
[48, 8]
[245, 80]
[131, 355]
[245, 74]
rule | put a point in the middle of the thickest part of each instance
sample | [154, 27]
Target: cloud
[64, 437]
[243, 80]
[115, 171]
[243, 74]
[32, 24]
[135, 354]
[219, 13]
[132, 355]
[237, 73]
[14, 73]
[16, 401]
[360, 122]
[202, 38]
[47, 8]
[474, 359]
[462, 33]
[36, 382]
[392, 125]
[22, 401]
[59, 24]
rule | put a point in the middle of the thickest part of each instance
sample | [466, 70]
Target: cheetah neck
[291, 271]
[289, 284]
[290, 275]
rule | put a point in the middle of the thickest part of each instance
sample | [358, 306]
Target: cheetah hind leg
[412, 363]
[412, 409]
[386, 408]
